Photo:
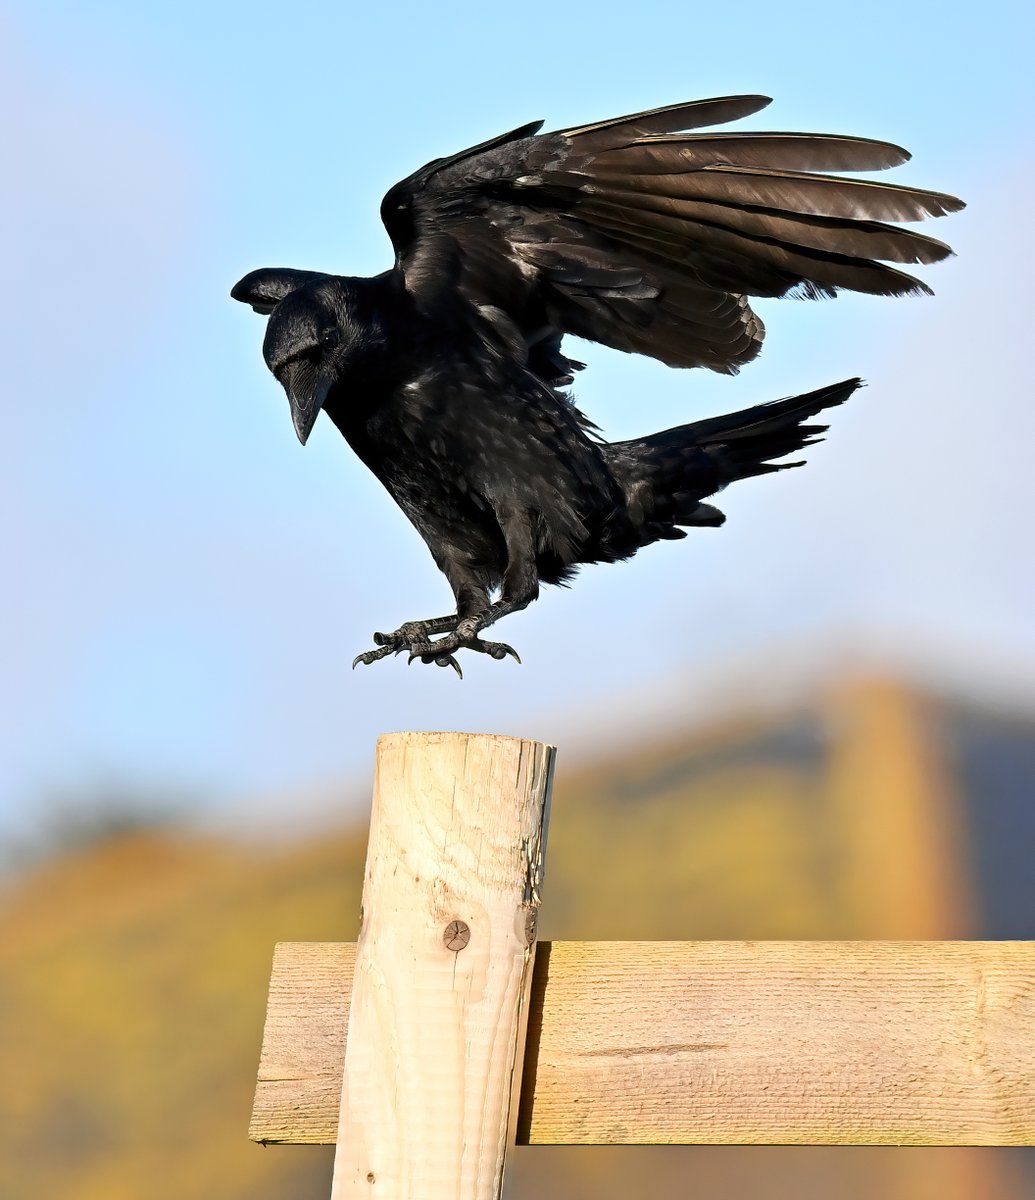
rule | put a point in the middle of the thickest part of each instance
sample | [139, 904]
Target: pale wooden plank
[303, 1043]
[822, 1043]
[443, 966]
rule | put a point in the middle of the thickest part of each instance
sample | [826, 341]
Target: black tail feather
[667, 475]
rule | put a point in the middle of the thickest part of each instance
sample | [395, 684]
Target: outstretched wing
[636, 234]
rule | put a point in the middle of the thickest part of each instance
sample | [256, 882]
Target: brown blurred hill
[133, 972]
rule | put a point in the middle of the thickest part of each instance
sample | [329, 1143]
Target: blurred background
[816, 722]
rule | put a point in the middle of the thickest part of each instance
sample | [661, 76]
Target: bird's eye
[329, 339]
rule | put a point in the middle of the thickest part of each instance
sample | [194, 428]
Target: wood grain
[819, 1043]
[443, 966]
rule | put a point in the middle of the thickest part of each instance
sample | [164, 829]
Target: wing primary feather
[860, 238]
[800, 191]
[798, 151]
[828, 268]
[668, 119]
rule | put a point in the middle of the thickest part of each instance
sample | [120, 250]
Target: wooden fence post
[443, 966]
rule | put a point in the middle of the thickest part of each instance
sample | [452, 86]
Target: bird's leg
[415, 636]
[474, 612]
[520, 588]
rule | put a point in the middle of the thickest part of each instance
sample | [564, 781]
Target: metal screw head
[456, 936]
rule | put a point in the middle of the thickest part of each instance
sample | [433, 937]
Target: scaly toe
[371, 656]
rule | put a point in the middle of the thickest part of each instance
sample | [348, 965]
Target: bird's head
[323, 331]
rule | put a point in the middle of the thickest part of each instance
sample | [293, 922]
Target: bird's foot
[408, 635]
[441, 652]
[463, 637]
[414, 637]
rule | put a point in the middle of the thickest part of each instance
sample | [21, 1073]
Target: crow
[446, 374]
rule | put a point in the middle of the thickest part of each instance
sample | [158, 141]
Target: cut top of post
[500, 787]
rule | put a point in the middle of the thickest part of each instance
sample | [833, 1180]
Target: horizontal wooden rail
[810, 1043]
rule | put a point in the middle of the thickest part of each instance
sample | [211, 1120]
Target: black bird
[446, 374]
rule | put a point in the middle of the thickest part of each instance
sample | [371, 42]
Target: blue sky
[186, 586]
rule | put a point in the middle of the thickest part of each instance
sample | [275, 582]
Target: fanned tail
[668, 475]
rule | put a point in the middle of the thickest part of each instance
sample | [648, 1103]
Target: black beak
[307, 387]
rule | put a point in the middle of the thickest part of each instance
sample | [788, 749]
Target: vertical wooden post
[443, 966]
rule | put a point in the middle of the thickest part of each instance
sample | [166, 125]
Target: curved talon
[428, 655]
[496, 650]
[370, 656]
